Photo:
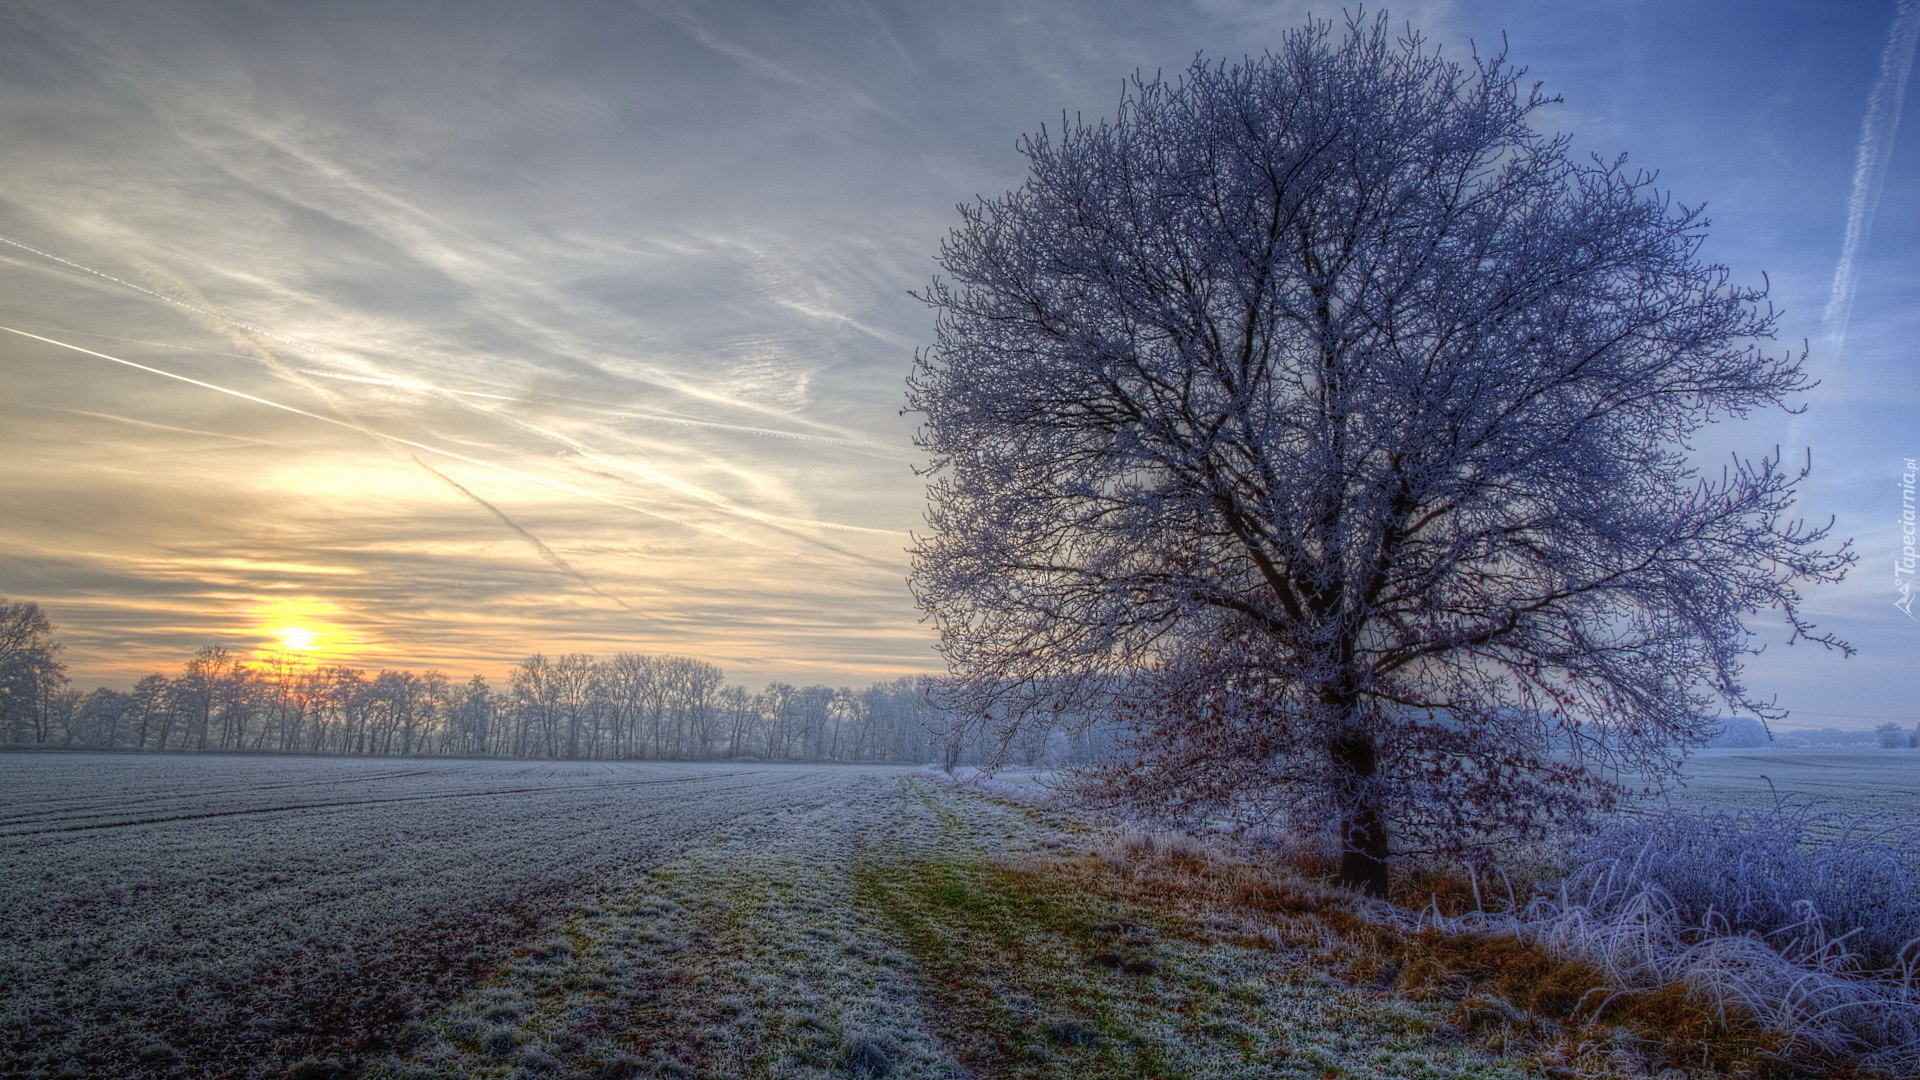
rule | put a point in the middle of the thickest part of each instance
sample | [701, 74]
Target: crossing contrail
[570, 489]
[551, 556]
[1870, 163]
[197, 307]
[319, 352]
[163, 297]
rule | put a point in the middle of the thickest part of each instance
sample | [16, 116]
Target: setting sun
[303, 628]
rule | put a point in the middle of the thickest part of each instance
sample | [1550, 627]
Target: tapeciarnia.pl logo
[1903, 566]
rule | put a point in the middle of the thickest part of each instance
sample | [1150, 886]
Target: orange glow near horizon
[301, 628]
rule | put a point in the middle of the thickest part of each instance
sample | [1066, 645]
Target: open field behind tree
[1850, 782]
[1841, 782]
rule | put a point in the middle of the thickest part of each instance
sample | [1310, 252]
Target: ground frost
[174, 915]
[748, 958]
[329, 919]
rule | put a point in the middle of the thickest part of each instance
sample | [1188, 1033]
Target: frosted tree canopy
[1329, 423]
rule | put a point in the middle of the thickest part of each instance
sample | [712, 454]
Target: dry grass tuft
[1513, 996]
[1100, 957]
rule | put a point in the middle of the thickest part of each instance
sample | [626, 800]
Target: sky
[442, 333]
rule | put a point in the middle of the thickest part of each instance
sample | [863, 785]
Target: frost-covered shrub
[1816, 938]
[1032, 794]
[1848, 904]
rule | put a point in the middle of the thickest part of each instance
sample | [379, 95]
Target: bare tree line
[629, 705]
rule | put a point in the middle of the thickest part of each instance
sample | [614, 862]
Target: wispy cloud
[308, 291]
[569, 489]
[224, 436]
[546, 553]
[1870, 161]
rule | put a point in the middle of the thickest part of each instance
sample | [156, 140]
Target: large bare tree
[1328, 421]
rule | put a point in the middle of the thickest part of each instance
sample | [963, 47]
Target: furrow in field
[235, 944]
[342, 804]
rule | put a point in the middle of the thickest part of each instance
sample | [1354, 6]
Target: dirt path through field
[748, 957]
[892, 933]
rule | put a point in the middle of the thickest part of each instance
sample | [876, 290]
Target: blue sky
[467, 330]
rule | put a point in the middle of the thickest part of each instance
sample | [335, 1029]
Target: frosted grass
[747, 958]
[1807, 921]
[760, 955]
[224, 917]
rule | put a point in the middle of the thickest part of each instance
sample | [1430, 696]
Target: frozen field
[1863, 781]
[451, 920]
[167, 915]
[174, 916]
[1841, 781]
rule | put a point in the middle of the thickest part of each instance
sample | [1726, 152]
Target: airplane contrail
[622, 504]
[674, 483]
[216, 320]
[418, 386]
[547, 553]
[202, 310]
[570, 489]
[781, 523]
[326, 354]
[144, 423]
[1870, 163]
[250, 328]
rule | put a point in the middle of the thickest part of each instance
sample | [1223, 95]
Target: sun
[303, 630]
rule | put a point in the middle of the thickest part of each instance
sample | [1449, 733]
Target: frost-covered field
[165, 915]
[1849, 782]
[307, 918]
[886, 936]
[170, 916]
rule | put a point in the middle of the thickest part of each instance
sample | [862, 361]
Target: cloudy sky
[451, 331]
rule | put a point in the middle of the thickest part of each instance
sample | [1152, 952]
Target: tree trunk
[1363, 832]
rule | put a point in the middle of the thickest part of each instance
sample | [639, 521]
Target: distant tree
[433, 703]
[810, 710]
[633, 687]
[59, 713]
[148, 714]
[470, 721]
[1893, 736]
[777, 718]
[735, 706]
[571, 681]
[200, 693]
[1329, 422]
[278, 701]
[349, 703]
[535, 706]
[1739, 731]
[31, 676]
[100, 720]
[696, 688]
[389, 699]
